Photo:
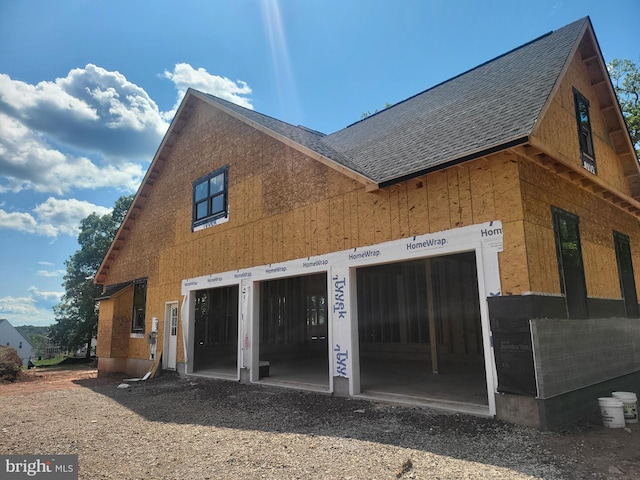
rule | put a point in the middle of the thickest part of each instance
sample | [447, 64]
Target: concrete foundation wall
[129, 367]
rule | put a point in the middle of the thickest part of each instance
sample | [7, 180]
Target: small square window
[210, 204]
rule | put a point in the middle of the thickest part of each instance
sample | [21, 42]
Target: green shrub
[10, 364]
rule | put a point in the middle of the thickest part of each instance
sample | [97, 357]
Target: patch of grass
[49, 362]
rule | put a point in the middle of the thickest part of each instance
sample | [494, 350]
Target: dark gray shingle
[488, 106]
[484, 108]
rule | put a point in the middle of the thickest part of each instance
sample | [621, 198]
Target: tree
[77, 314]
[625, 76]
[368, 114]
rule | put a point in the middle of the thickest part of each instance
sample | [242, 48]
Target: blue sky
[88, 88]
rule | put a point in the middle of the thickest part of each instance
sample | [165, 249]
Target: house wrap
[470, 248]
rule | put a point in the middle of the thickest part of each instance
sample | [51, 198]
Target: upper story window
[585, 136]
[210, 194]
[139, 305]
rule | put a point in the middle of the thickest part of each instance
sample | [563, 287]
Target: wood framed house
[470, 248]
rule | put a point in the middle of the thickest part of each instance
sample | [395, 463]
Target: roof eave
[457, 161]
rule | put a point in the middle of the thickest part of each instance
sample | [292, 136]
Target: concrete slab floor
[459, 385]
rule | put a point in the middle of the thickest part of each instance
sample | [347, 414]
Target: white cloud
[51, 218]
[20, 221]
[91, 108]
[49, 131]
[49, 296]
[90, 129]
[24, 311]
[51, 273]
[26, 161]
[185, 76]
[17, 305]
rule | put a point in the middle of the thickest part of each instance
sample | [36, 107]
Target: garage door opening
[420, 330]
[216, 331]
[294, 331]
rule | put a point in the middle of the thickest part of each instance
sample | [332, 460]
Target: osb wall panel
[284, 205]
[598, 219]
[558, 128]
[114, 325]
[105, 328]
[514, 274]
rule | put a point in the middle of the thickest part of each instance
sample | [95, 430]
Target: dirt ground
[606, 453]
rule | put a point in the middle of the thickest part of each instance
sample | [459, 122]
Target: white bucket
[611, 411]
[629, 405]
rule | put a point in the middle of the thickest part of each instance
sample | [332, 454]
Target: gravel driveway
[196, 428]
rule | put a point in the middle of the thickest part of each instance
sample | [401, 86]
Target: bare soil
[419, 442]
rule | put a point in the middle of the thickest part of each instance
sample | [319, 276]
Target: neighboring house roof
[489, 108]
[4, 321]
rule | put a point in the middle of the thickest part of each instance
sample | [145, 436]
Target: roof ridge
[537, 39]
[255, 112]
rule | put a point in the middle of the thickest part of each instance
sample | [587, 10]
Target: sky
[89, 88]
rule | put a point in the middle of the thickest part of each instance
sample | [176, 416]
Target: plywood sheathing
[556, 130]
[581, 178]
[598, 218]
[313, 211]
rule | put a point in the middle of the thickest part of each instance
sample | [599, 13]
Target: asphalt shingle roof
[491, 105]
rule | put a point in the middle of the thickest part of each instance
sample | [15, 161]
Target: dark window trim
[136, 327]
[210, 216]
[585, 133]
[630, 299]
[576, 305]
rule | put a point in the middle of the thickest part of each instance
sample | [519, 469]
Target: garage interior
[294, 331]
[216, 331]
[420, 331]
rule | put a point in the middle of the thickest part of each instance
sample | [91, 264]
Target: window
[571, 268]
[625, 273]
[210, 199]
[139, 303]
[584, 132]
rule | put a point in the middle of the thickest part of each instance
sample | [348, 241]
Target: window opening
[585, 135]
[625, 273]
[139, 304]
[570, 265]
